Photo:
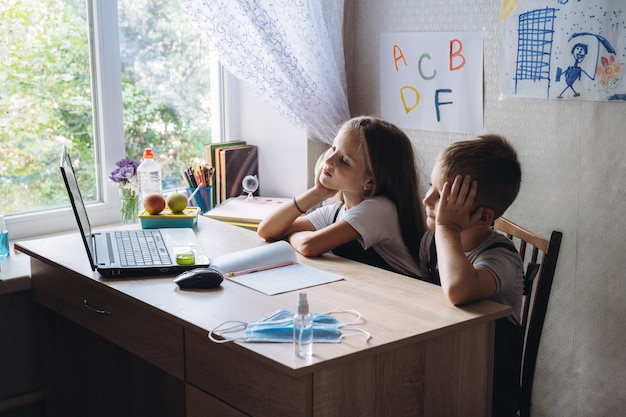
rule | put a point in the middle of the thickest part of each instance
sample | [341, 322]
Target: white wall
[283, 156]
[573, 181]
[574, 172]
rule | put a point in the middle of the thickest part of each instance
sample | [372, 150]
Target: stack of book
[232, 161]
[244, 212]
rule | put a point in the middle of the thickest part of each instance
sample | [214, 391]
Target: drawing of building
[534, 46]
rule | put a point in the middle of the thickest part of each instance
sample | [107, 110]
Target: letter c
[419, 66]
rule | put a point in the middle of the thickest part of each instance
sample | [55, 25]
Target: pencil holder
[202, 199]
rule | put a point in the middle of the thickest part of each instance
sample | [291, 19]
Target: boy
[472, 183]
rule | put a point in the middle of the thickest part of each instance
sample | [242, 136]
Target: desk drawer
[236, 377]
[111, 315]
[201, 404]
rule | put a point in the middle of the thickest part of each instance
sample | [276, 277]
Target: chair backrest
[539, 256]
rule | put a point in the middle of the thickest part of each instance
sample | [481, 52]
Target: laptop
[131, 253]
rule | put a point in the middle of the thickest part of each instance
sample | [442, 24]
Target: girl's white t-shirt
[376, 221]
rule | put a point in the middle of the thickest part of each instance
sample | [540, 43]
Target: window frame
[109, 138]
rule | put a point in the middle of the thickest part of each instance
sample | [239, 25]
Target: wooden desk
[425, 358]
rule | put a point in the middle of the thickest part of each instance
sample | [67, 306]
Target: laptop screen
[69, 177]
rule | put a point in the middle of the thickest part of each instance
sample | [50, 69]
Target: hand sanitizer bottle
[4, 238]
[303, 329]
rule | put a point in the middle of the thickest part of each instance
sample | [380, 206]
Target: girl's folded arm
[315, 243]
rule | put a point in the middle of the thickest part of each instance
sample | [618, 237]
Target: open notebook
[271, 269]
[128, 253]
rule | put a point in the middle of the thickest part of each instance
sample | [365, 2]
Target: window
[105, 96]
[165, 84]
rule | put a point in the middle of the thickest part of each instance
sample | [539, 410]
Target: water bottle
[4, 238]
[303, 329]
[149, 175]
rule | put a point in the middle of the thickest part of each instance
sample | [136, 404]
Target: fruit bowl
[165, 219]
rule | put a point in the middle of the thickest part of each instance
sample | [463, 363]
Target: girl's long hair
[392, 163]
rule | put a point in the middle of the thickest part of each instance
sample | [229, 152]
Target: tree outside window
[46, 96]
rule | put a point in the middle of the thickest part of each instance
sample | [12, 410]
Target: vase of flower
[130, 205]
[125, 176]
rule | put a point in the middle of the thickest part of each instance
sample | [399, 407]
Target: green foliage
[44, 79]
[45, 95]
[165, 79]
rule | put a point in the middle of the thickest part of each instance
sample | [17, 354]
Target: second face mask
[278, 327]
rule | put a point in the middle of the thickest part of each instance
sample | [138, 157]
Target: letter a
[456, 53]
[398, 55]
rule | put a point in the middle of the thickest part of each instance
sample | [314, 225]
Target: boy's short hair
[492, 161]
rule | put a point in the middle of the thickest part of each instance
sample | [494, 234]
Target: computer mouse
[199, 278]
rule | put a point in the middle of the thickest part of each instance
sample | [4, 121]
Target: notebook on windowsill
[247, 213]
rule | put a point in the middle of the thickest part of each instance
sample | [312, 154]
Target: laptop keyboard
[141, 248]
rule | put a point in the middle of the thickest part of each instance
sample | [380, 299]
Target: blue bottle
[4, 238]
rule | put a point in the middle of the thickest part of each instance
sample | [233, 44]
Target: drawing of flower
[608, 72]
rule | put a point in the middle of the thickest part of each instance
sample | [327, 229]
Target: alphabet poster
[432, 80]
[563, 49]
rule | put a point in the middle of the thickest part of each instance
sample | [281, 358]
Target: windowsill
[14, 273]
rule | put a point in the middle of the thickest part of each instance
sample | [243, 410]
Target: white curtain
[290, 52]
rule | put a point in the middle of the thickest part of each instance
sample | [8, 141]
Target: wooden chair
[540, 265]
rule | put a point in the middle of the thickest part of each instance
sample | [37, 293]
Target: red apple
[154, 203]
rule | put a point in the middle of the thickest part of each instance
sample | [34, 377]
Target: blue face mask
[278, 327]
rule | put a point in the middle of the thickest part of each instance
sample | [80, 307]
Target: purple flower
[126, 170]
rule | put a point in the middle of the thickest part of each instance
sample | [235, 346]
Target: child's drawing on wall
[563, 49]
[574, 72]
[610, 74]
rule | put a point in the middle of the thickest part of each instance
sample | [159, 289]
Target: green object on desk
[185, 258]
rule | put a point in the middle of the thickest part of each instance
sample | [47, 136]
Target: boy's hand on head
[455, 204]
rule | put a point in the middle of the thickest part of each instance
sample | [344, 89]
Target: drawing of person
[574, 72]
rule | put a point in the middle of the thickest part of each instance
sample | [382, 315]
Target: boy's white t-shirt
[376, 221]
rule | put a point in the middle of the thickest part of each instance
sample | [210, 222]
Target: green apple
[154, 203]
[177, 202]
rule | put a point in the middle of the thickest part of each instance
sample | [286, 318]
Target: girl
[377, 219]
